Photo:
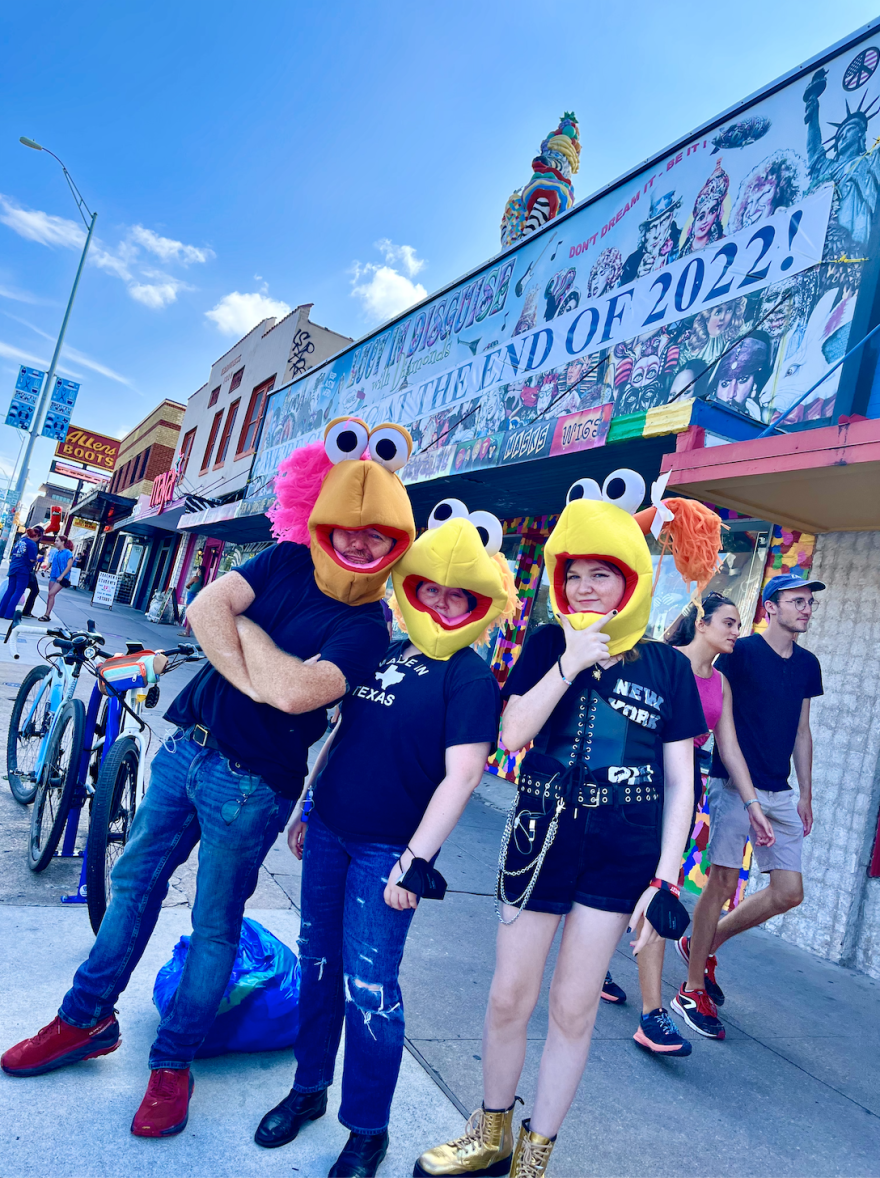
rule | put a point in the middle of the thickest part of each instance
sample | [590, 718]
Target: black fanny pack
[667, 915]
[423, 880]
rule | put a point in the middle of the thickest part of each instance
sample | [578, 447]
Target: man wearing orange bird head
[286, 634]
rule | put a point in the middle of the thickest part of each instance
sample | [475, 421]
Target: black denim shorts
[603, 857]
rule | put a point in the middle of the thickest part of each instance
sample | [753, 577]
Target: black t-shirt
[302, 621]
[768, 692]
[390, 753]
[657, 692]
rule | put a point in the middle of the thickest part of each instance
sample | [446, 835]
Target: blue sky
[247, 158]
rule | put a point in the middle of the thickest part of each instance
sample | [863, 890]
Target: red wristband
[665, 887]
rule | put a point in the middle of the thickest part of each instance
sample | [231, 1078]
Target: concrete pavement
[792, 1091]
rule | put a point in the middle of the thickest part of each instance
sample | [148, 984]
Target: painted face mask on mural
[453, 584]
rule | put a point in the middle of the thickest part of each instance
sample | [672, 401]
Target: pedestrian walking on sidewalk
[597, 835]
[194, 586]
[389, 786]
[772, 681]
[701, 635]
[230, 774]
[59, 571]
[22, 562]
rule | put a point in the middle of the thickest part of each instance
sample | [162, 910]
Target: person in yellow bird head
[387, 789]
[595, 837]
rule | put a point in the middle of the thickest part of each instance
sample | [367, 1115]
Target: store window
[257, 407]
[215, 393]
[186, 450]
[234, 555]
[212, 438]
[227, 433]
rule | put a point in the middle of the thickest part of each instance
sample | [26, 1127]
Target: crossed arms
[248, 658]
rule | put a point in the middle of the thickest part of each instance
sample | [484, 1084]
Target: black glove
[423, 880]
[667, 915]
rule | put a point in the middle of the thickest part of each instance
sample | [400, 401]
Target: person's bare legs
[786, 891]
[520, 956]
[588, 940]
[651, 975]
[51, 594]
[719, 887]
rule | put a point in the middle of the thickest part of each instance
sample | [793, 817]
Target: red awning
[815, 480]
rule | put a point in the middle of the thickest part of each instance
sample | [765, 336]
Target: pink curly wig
[297, 487]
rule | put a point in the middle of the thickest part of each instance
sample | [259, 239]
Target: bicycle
[127, 684]
[47, 732]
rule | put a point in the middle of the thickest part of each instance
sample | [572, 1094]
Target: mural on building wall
[728, 270]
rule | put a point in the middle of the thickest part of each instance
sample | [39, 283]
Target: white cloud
[383, 290]
[22, 296]
[20, 357]
[124, 260]
[156, 295]
[237, 313]
[405, 254]
[41, 227]
[168, 250]
[73, 354]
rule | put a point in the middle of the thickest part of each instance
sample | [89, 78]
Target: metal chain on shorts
[535, 867]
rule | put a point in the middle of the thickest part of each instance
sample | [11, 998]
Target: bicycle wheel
[25, 735]
[57, 784]
[113, 808]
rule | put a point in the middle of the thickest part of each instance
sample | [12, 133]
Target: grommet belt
[539, 785]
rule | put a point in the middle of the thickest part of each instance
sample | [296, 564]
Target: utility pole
[45, 395]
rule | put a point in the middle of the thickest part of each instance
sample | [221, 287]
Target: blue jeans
[188, 788]
[351, 944]
[18, 582]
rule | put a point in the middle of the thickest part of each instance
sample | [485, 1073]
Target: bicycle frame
[121, 721]
[61, 684]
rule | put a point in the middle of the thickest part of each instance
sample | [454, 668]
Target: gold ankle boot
[485, 1148]
[532, 1153]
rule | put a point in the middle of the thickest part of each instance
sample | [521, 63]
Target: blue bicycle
[47, 732]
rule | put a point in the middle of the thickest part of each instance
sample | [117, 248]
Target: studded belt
[559, 785]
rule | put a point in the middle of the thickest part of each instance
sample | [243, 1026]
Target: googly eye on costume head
[447, 509]
[345, 438]
[624, 489]
[583, 489]
[390, 446]
[488, 529]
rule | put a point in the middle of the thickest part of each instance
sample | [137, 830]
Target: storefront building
[704, 298]
[141, 553]
[220, 433]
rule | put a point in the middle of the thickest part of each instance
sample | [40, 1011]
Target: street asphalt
[793, 1090]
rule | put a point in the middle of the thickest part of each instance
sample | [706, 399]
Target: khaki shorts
[729, 827]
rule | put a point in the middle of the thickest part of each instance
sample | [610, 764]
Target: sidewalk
[793, 1090]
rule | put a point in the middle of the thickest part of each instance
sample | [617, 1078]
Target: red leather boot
[165, 1108]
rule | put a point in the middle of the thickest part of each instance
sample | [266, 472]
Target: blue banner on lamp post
[60, 410]
[24, 400]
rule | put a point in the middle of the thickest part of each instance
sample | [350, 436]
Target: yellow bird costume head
[461, 551]
[602, 523]
[334, 484]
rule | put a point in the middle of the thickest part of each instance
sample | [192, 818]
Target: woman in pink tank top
[700, 636]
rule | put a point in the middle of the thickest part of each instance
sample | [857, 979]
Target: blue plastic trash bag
[260, 1007]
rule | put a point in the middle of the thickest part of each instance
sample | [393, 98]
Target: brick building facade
[147, 451]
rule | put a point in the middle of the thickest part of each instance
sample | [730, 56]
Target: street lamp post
[46, 393]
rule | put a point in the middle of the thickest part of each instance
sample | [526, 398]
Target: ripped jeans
[351, 944]
[195, 795]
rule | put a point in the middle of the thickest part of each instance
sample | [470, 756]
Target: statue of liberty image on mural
[854, 171]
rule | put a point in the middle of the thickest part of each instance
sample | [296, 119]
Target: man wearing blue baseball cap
[772, 680]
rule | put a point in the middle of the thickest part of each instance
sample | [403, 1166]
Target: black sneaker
[658, 1034]
[611, 992]
[699, 1012]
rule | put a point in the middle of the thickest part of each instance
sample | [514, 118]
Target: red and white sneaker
[60, 1044]
[683, 945]
[164, 1110]
[699, 1012]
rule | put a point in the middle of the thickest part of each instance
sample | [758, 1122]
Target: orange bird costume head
[349, 481]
